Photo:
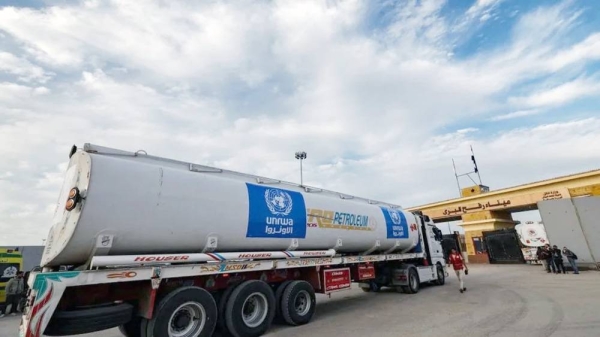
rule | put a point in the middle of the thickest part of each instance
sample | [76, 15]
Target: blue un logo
[279, 202]
[275, 213]
[395, 216]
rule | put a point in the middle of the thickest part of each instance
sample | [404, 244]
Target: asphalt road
[501, 301]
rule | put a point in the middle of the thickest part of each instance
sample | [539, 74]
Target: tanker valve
[74, 198]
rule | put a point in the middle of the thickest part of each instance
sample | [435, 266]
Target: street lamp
[301, 155]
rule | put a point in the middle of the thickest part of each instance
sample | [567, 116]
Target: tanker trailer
[148, 205]
[159, 247]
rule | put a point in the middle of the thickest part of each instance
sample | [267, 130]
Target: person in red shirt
[457, 262]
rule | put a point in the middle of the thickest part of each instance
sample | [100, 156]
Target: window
[479, 245]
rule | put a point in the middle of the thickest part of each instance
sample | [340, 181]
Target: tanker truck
[161, 248]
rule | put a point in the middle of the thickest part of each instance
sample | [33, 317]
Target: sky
[382, 95]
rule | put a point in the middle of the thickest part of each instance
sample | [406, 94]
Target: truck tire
[222, 306]
[441, 276]
[413, 282]
[278, 295]
[132, 328]
[373, 287]
[190, 309]
[89, 319]
[250, 309]
[298, 303]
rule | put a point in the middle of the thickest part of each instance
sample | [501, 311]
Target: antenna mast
[475, 170]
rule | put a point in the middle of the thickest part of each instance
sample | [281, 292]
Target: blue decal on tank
[395, 221]
[275, 213]
[418, 248]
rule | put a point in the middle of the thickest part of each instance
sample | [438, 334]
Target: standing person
[14, 289]
[558, 260]
[23, 297]
[572, 259]
[541, 256]
[549, 259]
[458, 264]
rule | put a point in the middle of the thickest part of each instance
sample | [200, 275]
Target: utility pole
[301, 155]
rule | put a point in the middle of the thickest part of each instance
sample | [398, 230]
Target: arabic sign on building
[496, 203]
[477, 207]
[550, 195]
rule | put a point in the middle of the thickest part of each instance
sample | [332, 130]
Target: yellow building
[483, 210]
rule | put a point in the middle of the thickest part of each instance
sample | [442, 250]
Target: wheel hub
[188, 320]
[255, 309]
[182, 320]
[302, 303]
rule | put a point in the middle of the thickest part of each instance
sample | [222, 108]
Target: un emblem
[395, 216]
[279, 202]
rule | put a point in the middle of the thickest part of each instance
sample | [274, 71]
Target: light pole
[301, 155]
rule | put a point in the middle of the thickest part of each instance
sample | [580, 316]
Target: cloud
[582, 52]
[22, 68]
[516, 114]
[540, 45]
[367, 89]
[482, 9]
[559, 95]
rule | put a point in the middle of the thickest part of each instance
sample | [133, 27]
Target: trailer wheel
[278, 295]
[413, 282]
[250, 309]
[132, 328]
[185, 312]
[222, 306]
[373, 287]
[441, 276]
[89, 319]
[298, 303]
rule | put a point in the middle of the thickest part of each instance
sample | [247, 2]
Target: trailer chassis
[137, 297]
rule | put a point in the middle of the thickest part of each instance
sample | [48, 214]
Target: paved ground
[501, 301]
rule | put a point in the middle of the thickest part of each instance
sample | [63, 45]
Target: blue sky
[381, 94]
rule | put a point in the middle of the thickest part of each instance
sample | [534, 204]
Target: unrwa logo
[279, 202]
[395, 216]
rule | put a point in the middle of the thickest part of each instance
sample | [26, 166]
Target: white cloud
[539, 46]
[482, 9]
[25, 71]
[560, 94]
[243, 86]
[516, 114]
[585, 51]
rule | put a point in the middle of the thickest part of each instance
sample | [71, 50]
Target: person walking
[558, 260]
[572, 259]
[457, 262]
[14, 290]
